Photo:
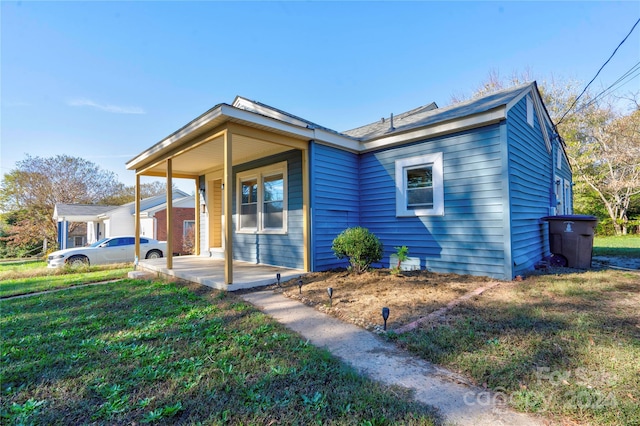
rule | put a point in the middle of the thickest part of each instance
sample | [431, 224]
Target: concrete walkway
[459, 402]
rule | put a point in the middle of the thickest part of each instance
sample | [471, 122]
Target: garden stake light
[278, 278]
[300, 286]
[385, 316]
[330, 291]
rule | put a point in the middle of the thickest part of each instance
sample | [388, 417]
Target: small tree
[360, 246]
[403, 254]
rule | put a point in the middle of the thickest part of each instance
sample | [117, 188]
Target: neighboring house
[108, 221]
[464, 187]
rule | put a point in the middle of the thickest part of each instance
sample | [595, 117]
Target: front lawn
[565, 344]
[17, 279]
[622, 245]
[137, 352]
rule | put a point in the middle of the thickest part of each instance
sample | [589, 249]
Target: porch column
[228, 189]
[196, 216]
[63, 232]
[306, 220]
[169, 215]
[136, 219]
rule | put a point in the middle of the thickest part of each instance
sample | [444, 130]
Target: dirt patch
[359, 299]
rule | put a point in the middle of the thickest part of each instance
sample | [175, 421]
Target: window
[188, 226]
[273, 201]
[262, 199]
[249, 204]
[419, 186]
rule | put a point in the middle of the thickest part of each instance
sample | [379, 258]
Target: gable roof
[278, 114]
[384, 126]
[184, 202]
[424, 122]
[426, 116]
[93, 212]
[78, 211]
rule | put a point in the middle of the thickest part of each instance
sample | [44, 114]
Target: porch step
[216, 253]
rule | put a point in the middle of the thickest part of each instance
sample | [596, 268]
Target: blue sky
[106, 80]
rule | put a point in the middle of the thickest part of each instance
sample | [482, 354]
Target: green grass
[138, 352]
[24, 279]
[625, 245]
[566, 346]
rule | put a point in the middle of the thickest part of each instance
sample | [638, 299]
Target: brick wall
[180, 214]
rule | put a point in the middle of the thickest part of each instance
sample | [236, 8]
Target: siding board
[335, 200]
[469, 238]
[274, 249]
[529, 178]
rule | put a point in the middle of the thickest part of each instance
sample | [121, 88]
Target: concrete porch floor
[210, 272]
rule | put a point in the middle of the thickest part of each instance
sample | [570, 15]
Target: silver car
[107, 250]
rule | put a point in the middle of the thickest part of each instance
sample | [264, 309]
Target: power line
[592, 80]
[632, 73]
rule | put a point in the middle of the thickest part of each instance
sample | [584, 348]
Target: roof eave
[228, 113]
[173, 139]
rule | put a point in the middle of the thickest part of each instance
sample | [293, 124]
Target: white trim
[259, 174]
[174, 137]
[436, 162]
[489, 117]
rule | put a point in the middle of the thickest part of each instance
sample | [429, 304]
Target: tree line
[601, 133]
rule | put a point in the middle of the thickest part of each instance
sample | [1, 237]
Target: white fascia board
[336, 140]
[305, 133]
[521, 95]
[77, 218]
[261, 120]
[179, 134]
[457, 125]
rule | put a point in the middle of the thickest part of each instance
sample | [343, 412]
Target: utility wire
[632, 73]
[592, 80]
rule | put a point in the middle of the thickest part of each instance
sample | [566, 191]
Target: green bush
[360, 246]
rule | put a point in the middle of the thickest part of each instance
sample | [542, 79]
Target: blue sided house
[464, 187]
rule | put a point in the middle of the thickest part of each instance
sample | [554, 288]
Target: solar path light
[300, 285]
[330, 291]
[385, 316]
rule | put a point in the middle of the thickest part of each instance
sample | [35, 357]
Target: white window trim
[259, 174]
[433, 160]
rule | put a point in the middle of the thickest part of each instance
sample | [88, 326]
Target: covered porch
[210, 272]
[233, 154]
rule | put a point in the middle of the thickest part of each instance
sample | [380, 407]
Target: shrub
[360, 246]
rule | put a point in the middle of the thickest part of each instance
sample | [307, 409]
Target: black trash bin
[571, 236]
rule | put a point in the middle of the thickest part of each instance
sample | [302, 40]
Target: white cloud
[81, 102]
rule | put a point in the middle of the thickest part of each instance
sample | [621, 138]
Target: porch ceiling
[208, 156]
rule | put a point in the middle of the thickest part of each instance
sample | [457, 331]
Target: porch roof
[196, 148]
